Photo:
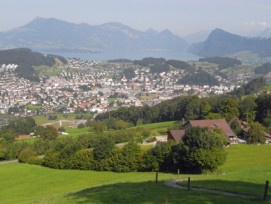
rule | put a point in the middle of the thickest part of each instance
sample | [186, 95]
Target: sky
[182, 17]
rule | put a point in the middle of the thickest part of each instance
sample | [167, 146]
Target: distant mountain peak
[166, 32]
[54, 34]
[221, 43]
[151, 31]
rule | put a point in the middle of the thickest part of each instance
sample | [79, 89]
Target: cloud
[257, 24]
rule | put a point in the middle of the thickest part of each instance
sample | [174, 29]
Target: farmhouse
[177, 135]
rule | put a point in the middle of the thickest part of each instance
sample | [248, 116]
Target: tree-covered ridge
[222, 62]
[200, 78]
[252, 109]
[263, 69]
[158, 65]
[26, 60]
[251, 87]
[180, 65]
[145, 62]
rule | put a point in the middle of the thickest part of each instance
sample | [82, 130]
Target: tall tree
[256, 134]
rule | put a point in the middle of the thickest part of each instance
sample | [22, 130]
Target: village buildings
[93, 87]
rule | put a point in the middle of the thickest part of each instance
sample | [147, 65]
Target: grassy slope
[245, 171]
[34, 184]
[160, 128]
[156, 128]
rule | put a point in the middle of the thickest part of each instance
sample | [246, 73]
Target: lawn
[247, 168]
[22, 183]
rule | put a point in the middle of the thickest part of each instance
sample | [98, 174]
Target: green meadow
[41, 119]
[245, 172]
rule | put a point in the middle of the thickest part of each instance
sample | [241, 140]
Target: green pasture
[245, 172]
[155, 128]
[160, 128]
[41, 119]
[74, 132]
[48, 71]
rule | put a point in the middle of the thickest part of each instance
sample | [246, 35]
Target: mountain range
[49, 35]
[54, 34]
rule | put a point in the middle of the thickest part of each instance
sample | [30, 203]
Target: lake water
[133, 55]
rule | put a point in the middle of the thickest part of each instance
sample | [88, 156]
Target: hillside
[222, 62]
[45, 185]
[26, 60]
[200, 78]
[221, 43]
[55, 35]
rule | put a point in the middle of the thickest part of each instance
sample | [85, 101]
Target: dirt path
[173, 184]
[9, 162]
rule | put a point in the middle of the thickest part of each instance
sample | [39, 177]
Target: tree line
[201, 150]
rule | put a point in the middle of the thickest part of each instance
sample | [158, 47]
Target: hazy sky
[180, 16]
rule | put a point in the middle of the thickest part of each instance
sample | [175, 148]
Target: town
[97, 87]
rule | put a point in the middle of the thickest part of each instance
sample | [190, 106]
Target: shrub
[26, 155]
[83, 159]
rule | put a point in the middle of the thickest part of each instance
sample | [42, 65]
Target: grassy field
[74, 132]
[245, 172]
[41, 119]
[155, 128]
[160, 128]
[48, 71]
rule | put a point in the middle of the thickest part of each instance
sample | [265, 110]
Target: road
[9, 162]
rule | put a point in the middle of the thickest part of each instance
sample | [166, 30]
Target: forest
[26, 60]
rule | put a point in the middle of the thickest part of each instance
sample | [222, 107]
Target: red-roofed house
[212, 124]
[175, 135]
[22, 137]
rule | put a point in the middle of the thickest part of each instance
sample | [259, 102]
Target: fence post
[188, 184]
[265, 190]
[156, 177]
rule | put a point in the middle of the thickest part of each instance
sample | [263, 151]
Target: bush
[81, 125]
[153, 139]
[83, 159]
[52, 117]
[61, 129]
[36, 161]
[26, 155]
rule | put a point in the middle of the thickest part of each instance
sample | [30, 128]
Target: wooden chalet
[177, 135]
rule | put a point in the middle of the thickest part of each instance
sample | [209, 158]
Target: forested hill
[26, 60]
[252, 87]
[200, 78]
[161, 65]
[222, 62]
